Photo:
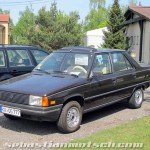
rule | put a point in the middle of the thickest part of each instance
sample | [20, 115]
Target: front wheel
[136, 99]
[70, 118]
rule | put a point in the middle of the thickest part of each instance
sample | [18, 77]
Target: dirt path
[30, 131]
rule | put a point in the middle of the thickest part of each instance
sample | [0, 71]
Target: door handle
[14, 71]
[114, 80]
[134, 75]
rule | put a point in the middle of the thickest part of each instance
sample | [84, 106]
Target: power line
[24, 3]
[16, 2]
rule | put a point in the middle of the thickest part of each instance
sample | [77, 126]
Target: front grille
[14, 97]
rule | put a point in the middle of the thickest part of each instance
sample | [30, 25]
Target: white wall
[133, 32]
[146, 42]
[95, 37]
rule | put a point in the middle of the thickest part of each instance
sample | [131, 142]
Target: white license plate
[11, 111]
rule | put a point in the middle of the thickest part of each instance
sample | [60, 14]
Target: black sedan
[73, 81]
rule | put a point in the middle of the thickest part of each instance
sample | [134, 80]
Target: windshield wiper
[42, 71]
[73, 75]
[58, 71]
[65, 73]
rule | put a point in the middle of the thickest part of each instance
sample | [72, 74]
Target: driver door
[102, 82]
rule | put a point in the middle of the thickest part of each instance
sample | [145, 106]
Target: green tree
[22, 30]
[114, 37]
[54, 29]
[97, 17]
[133, 2]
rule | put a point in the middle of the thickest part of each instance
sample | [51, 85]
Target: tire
[11, 117]
[70, 118]
[136, 99]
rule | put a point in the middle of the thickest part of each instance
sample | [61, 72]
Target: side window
[129, 66]
[2, 59]
[18, 58]
[102, 64]
[39, 55]
[119, 62]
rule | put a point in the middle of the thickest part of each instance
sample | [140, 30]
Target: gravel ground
[40, 132]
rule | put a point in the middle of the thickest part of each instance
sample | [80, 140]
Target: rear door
[124, 73]
[19, 61]
[3, 64]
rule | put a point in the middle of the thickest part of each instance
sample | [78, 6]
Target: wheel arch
[143, 86]
[76, 97]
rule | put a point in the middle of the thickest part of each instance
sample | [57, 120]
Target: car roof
[88, 49]
[10, 45]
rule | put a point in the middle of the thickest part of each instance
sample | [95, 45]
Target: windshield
[67, 63]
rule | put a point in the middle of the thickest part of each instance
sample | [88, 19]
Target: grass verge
[137, 131]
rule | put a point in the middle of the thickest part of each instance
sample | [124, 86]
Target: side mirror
[97, 74]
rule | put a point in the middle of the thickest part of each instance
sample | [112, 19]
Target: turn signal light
[45, 102]
[52, 102]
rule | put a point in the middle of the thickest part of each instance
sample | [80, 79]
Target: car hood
[40, 84]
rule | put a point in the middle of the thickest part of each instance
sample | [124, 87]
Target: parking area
[38, 132]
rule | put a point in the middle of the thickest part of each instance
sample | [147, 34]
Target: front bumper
[51, 113]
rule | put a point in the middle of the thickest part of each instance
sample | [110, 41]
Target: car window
[2, 59]
[18, 58]
[39, 55]
[129, 66]
[70, 63]
[102, 64]
[119, 63]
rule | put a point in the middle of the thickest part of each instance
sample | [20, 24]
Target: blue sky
[82, 6]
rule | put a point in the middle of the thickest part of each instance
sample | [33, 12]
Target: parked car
[73, 81]
[16, 60]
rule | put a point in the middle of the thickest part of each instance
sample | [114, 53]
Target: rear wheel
[11, 117]
[136, 99]
[70, 118]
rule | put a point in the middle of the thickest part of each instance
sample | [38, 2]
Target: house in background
[138, 32]
[4, 29]
[94, 38]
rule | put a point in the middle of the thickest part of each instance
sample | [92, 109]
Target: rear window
[39, 55]
[120, 63]
[2, 59]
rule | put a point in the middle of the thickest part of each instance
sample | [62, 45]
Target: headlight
[38, 101]
[35, 100]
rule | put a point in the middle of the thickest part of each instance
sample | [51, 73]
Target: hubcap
[138, 96]
[73, 117]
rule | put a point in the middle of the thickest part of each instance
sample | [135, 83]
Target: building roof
[4, 18]
[143, 11]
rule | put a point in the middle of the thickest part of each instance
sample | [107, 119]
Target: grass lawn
[137, 131]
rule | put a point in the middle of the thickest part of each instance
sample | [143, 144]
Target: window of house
[137, 40]
[131, 41]
[134, 40]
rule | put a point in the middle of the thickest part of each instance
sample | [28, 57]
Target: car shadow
[28, 126]
[104, 112]
[45, 128]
